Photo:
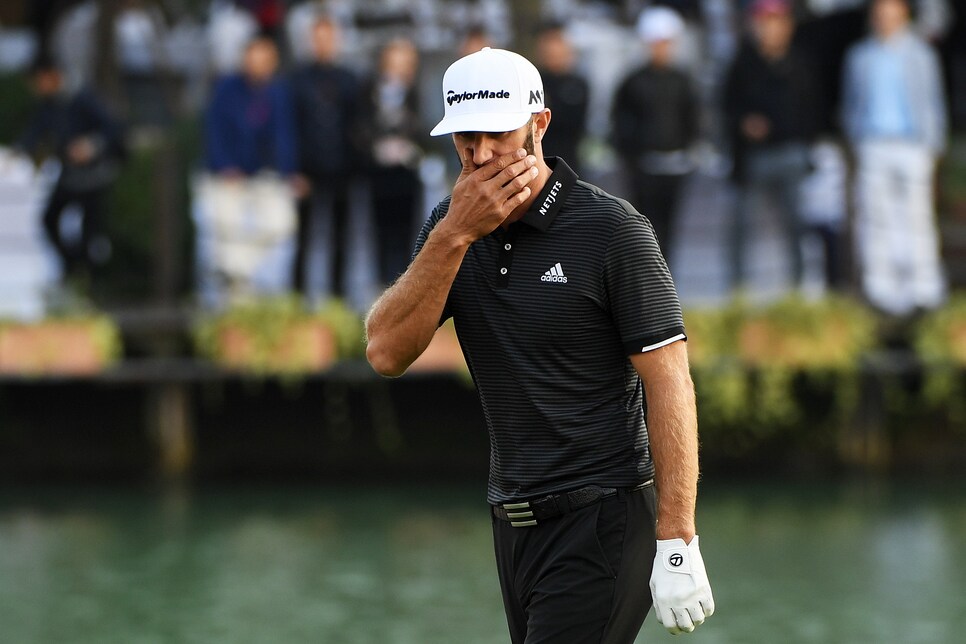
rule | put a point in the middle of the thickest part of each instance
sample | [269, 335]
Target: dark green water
[788, 562]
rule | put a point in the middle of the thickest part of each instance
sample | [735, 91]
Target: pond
[789, 562]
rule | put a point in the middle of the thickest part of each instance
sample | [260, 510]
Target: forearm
[674, 447]
[402, 322]
[673, 433]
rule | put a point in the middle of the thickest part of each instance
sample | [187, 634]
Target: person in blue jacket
[253, 180]
[250, 122]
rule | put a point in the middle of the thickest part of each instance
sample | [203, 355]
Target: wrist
[685, 532]
[450, 237]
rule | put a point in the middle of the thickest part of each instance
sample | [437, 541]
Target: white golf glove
[679, 586]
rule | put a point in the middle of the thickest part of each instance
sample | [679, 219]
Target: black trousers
[657, 197]
[580, 578]
[396, 192]
[331, 192]
[75, 257]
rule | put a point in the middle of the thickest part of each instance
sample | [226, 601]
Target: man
[893, 113]
[771, 107]
[568, 93]
[655, 123]
[326, 104]
[251, 157]
[568, 318]
[89, 143]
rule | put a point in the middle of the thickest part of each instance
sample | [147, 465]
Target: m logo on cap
[536, 96]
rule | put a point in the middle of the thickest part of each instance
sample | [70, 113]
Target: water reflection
[789, 563]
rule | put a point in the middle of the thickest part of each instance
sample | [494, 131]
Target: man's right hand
[484, 196]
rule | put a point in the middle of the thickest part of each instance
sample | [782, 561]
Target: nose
[481, 146]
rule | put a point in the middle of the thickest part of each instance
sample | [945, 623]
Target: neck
[886, 36]
[774, 52]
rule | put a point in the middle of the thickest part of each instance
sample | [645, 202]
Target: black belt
[525, 514]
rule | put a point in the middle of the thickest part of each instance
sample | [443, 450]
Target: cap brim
[480, 123]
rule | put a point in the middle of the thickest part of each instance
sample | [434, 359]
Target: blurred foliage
[761, 370]
[15, 106]
[952, 180]
[83, 342]
[940, 342]
[268, 324]
[132, 218]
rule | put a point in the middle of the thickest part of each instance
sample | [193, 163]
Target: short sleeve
[640, 292]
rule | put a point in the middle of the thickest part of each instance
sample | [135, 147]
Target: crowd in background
[316, 118]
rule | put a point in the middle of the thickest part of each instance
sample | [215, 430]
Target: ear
[541, 121]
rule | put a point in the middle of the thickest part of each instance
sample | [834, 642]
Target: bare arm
[673, 431]
[402, 322]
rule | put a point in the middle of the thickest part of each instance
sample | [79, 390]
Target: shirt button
[503, 271]
[507, 247]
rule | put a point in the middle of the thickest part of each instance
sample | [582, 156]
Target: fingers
[519, 181]
[501, 164]
[516, 200]
[683, 620]
[668, 621]
[707, 605]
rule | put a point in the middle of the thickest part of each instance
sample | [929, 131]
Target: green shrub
[761, 370]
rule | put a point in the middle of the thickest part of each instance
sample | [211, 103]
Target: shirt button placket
[506, 258]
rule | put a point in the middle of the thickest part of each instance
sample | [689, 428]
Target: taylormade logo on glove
[680, 586]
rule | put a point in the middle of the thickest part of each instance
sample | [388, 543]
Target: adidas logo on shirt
[555, 274]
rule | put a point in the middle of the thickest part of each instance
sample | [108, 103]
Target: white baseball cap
[659, 23]
[492, 90]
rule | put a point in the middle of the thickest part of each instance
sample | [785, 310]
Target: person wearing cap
[894, 116]
[655, 123]
[771, 107]
[569, 320]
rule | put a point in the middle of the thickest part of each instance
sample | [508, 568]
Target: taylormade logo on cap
[453, 97]
[492, 90]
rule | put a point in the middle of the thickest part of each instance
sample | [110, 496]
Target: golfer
[573, 333]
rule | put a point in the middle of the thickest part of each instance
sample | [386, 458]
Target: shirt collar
[551, 199]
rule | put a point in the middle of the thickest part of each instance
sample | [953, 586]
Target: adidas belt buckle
[520, 514]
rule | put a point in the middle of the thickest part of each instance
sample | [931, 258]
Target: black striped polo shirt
[547, 312]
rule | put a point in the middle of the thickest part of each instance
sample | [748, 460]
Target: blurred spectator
[269, 14]
[42, 15]
[326, 102]
[139, 34]
[251, 150]
[567, 94]
[88, 142]
[824, 199]
[894, 115]
[474, 39]
[74, 43]
[391, 129]
[655, 117]
[771, 110]
[230, 28]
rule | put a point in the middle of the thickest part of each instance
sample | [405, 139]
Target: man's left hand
[679, 586]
